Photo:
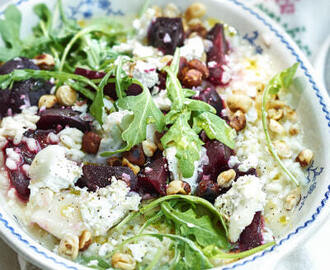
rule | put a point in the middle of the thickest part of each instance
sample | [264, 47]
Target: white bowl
[312, 102]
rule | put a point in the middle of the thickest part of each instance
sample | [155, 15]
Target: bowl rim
[20, 244]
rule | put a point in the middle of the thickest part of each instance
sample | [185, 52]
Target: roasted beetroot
[153, 178]
[166, 34]
[98, 176]
[218, 155]
[210, 96]
[216, 54]
[53, 117]
[90, 74]
[135, 155]
[208, 189]
[252, 237]
[17, 63]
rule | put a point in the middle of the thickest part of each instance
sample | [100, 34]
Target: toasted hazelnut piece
[192, 78]
[171, 11]
[47, 101]
[291, 114]
[66, 95]
[123, 261]
[198, 29]
[178, 187]
[45, 61]
[239, 102]
[305, 157]
[200, 66]
[196, 10]
[292, 199]
[294, 131]
[226, 178]
[276, 104]
[194, 21]
[149, 148]
[114, 161]
[158, 11]
[282, 149]
[85, 240]
[69, 247]
[135, 155]
[157, 138]
[275, 126]
[134, 168]
[276, 114]
[91, 142]
[237, 120]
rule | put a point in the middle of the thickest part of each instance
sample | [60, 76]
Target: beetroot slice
[216, 55]
[210, 96]
[252, 237]
[53, 117]
[99, 176]
[153, 178]
[208, 189]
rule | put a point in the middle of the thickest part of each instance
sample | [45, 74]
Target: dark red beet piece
[218, 155]
[252, 237]
[17, 63]
[98, 176]
[18, 178]
[210, 96]
[166, 34]
[216, 55]
[135, 155]
[153, 178]
[90, 74]
[208, 189]
[53, 117]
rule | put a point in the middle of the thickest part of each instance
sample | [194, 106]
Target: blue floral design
[252, 40]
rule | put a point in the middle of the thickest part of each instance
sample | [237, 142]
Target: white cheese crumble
[240, 203]
[107, 206]
[71, 138]
[146, 73]
[14, 126]
[175, 171]
[162, 101]
[51, 169]
[193, 48]
[141, 25]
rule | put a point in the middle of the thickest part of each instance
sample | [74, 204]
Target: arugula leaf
[199, 106]
[101, 263]
[215, 128]
[145, 111]
[188, 223]
[78, 82]
[44, 27]
[10, 28]
[96, 109]
[279, 81]
[187, 144]
[122, 80]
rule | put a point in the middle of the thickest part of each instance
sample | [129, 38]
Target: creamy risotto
[165, 141]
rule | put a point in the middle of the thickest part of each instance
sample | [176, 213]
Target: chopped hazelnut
[47, 101]
[192, 77]
[85, 240]
[123, 261]
[178, 187]
[195, 10]
[237, 120]
[134, 168]
[200, 66]
[226, 178]
[149, 148]
[305, 157]
[239, 102]
[292, 199]
[91, 142]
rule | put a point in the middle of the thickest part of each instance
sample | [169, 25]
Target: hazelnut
[114, 161]
[178, 187]
[171, 11]
[292, 199]
[305, 157]
[282, 149]
[276, 114]
[198, 29]
[200, 66]
[85, 240]
[45, 61]
[149, 148]
[66, 95]
[239, 102]
[91, 142]
[192, 78]
[225, 178]
[123, 261]
[195, 21]
[135, 155]
[291, 114]
[294, 131]
[276, 104]
[69, 247]
[196, 10]
[275, 126]
[134, 168]
[47, 101]
[238, 120]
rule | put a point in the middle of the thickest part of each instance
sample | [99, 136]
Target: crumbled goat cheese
[175, 171]
[14, 126]
[71, 138]
[80, 108]
[233, 160]
[146, 73]
[193, 48]
[107, 206]
[240, 203]
[162, 101]
[141, 25]
[51, 169]
[137, 49]
[13, 158]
